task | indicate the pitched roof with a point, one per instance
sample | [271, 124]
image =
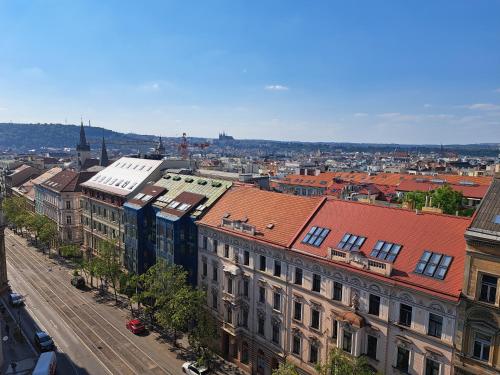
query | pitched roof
[124, 175]
[468, 191]
[416, 233]
[67, 181]
[276, 217]
[487, 217]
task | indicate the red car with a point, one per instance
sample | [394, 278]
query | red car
[136, 326]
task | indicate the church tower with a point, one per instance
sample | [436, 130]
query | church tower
[82, 149]
[104, 161]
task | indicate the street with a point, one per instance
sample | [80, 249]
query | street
[91, 337]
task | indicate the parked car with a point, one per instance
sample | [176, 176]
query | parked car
[78, 282]
[136, 326]
[43, 341]
[191, 368]
[46, 364]
[16, 299]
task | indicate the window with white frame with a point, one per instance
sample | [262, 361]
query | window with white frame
[435, 327]
[296, 344]
[277, 301]
[347, 341]
[315, 317]
[482, 345]
[432, 367]
[488, 292]
[297, 310]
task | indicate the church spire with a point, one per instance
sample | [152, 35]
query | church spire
[82, 145]
[104, 155]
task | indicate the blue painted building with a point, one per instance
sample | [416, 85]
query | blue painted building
[160, 221]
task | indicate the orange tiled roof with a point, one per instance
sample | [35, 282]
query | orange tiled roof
[287, 213]
[473, 191]
[326, 179]
[426, 231]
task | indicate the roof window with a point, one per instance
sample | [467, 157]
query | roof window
[433, 264]
[386, 251]
[316, 236]
[351, 242]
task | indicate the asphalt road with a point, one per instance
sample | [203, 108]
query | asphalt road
[91, 337]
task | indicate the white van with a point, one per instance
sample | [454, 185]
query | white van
[46, 364]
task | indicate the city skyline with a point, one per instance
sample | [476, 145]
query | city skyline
[333, 72]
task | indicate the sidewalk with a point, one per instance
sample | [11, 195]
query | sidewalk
[17, 351]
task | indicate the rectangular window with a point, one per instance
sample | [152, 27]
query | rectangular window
[260, 325]
[229, 315]
[246, 258]
[277, 268]
[488, 289]
[244, 318]
[405, 313]
[297, 310]
[214, 300]
[313, 353]
[276, 333]
[68, 205]
[403, 359]
[337, 291]
[435, 325]
[204, 242]
[214, 273]
[245, 288]
[335, 329]
[68, 220]
[316, 285]
[262, 264]
[298, 276]
[347, 341]
[374, 305]
[262, 294]
[315, 314]
[205, 271]
[277, 301]
[215, 246]
[482, 345]
[371, 347]
[296, 345]
[230, 285]
[431, 367]
[226, 251]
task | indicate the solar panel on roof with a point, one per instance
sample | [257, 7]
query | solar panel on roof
[433, 264]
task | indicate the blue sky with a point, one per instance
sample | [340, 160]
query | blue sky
[355, 71]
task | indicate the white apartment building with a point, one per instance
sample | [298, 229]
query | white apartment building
[292, 277]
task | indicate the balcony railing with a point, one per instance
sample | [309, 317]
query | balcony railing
[358, 260]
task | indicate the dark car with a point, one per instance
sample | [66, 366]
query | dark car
[16, 299]
[43, 341]
[78, 282]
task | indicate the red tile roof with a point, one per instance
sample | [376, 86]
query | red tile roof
[287, 213]
[426, 231]
[474, 191]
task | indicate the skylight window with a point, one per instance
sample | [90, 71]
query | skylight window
[184, 207]
[132, 186]
[351, 242]
[316, 236]
[113, 181]
[174, 204]
[146, 198]
[386, 251]
[496, 220]
[433, 264]
[139, 196]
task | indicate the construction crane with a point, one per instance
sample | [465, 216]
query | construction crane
[183, 146]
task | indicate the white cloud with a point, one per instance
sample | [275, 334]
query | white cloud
[150, 87]
[276, 88]
[484, 106]
[360, 114]
[427, 105]
[389, 115]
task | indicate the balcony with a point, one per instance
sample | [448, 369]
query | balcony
[358, 260]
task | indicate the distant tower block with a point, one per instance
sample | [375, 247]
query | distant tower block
[4, 283]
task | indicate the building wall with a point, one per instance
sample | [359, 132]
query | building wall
[356, 290]
[479, 320]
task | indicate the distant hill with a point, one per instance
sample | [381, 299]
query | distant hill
[24, 137]
[35, 136]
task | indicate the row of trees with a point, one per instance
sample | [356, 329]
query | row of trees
[28, 222]
[337, 363]
[444, 197]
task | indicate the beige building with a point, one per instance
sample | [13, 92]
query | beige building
[293, 277]
[478, 328]
[106, 192]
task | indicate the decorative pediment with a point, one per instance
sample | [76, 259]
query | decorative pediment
[275, 320]
[404, 342]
